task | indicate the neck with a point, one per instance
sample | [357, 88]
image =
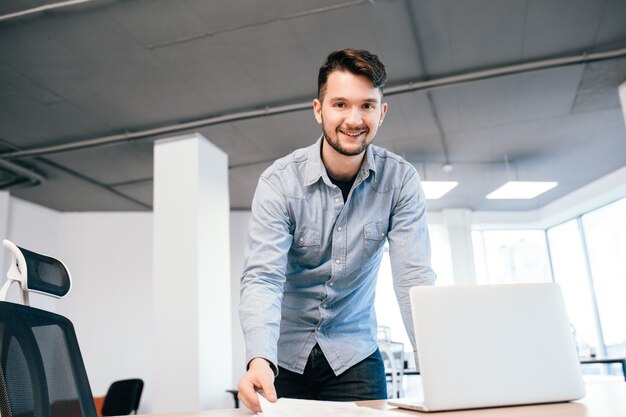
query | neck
[340, 167]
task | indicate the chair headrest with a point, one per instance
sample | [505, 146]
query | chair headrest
[36, 273]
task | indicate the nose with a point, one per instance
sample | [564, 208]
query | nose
[354, 117]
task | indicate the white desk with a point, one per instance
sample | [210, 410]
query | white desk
[602, 400]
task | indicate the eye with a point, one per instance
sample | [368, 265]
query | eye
[369, 106]
[340, 105]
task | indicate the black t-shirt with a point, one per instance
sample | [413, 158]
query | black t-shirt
[344, 186]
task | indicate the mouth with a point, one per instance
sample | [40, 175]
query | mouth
[352, 133]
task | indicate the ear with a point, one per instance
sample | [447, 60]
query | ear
[383, 112]
[317, 110]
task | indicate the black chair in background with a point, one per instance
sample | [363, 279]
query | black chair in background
[42, 373]
[122, 398]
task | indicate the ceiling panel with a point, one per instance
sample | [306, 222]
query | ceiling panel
[276, 73]
[245, 13]
[561, 25]
[102, 164]
[612, 29]
[398, 46]
[27, 122]
[458, 34]
[63, 193]
[206, 66]
[279, 135]
[598, 86]
[142, 191]
[156, 22]
[344, 28]
[14, 83]
[230, 139]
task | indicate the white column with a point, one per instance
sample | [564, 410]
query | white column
[192, 312]
[5, 199]
[459, 228]
[239, 221]
[622, 98]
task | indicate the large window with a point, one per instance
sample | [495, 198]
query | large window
[509, 256]
[387, 310]
[586, 256]
[605, 234]
[570, 271]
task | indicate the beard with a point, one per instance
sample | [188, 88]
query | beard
[334, 142]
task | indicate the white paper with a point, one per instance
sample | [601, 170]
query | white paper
[289, 407]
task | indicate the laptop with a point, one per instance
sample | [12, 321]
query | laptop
[493, 345]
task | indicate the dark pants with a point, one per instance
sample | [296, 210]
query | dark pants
[363, 381]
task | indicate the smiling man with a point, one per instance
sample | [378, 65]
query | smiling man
[320, 218]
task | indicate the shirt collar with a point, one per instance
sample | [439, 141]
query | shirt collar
[316, 169]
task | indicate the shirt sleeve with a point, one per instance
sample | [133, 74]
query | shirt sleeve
[409, 247]
[267, 246]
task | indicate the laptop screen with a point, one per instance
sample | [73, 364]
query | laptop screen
[494, 345]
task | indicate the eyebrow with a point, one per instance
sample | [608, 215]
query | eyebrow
[367, 100]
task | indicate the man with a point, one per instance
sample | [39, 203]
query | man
[320, 218]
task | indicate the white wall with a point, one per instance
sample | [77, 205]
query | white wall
[239, 221]
[33, 227]
[110, 258]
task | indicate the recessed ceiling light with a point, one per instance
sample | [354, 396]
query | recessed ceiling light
[521, 190]
[437, 189]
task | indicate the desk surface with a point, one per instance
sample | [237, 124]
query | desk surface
[602, 400]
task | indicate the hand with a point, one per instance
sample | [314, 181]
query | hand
[259, 377]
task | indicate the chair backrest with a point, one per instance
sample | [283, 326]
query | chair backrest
[41, 369]
[42, 373]
[122, 397]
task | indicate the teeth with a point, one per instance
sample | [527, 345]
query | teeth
[352, 134]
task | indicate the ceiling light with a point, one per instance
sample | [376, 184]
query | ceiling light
[447, 167]
[521, 190]
[437, 189]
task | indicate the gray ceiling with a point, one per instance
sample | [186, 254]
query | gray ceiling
[104, 67]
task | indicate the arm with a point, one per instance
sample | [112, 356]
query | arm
[409, 247]
[268, 243]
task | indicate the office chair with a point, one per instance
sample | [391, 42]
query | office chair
[122, 398]
[42, 373]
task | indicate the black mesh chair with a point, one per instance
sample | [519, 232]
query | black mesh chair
[42, 373]
[122, 398]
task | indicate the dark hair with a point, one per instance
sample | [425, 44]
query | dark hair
[355, 61]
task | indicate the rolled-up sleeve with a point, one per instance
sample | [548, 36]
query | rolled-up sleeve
[409, 246]
[262, 282]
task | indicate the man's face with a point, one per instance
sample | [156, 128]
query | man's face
[350, 112]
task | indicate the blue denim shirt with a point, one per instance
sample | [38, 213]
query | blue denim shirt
[312, 261]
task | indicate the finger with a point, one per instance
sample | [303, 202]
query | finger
[248, 396]
[269, 391]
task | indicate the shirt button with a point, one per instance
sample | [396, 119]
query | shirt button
[336, 200]
[382, 235]
[331, 284]
[301, 240]
[339, 229]
[337, 261]
[325, 305]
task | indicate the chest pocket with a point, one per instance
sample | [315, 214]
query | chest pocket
[306, 246]
[374, 235]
